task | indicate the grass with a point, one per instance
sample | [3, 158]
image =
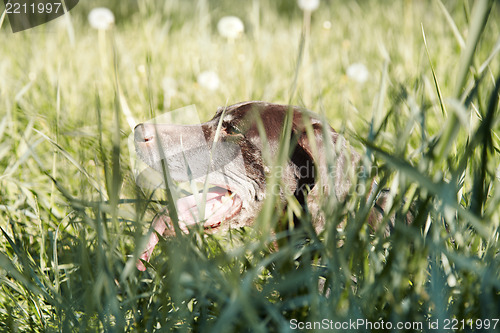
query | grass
[426, 121]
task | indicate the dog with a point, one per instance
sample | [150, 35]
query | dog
[233, 153]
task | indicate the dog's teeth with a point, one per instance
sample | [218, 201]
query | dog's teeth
[227, 197]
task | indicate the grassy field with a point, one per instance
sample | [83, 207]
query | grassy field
[425, 119]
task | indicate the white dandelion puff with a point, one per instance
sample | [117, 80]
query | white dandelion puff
[209, 80]
[358, 72]
[308, 5]
[141, 69]
[169, 86]
[230, 27]
[101, 18]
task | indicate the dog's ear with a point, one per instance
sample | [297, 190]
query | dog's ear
[325, 164]
[329, 160]
[304, 168]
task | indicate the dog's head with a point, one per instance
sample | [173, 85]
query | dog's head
[234, 153]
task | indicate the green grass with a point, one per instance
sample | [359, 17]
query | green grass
[426, 121]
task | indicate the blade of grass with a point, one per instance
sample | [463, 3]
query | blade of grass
[451, 23]
[73, 161]
[440, 189]
[54, 156]
[492, 55]
[479, 195]
[378, 111]
[436, 83]
[201, 205]
[483, 130]
[2, 18]
[480, 13]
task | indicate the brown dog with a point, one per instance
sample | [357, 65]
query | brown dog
[234, 153]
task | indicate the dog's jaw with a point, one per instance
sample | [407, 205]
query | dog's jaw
[210, 210]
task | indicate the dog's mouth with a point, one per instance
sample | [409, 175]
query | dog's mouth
[210, 209]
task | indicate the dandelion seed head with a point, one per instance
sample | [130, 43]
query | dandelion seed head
[169, 85]
[101, 18]
[209, 80]
[358, 72]
[230, 27]
[308, 5]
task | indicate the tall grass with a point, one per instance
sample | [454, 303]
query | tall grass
[426, 123]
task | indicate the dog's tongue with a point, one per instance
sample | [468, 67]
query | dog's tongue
[220, 205]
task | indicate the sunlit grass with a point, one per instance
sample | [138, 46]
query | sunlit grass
[72, 216]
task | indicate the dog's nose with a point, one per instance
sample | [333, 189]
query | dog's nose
[142, 133]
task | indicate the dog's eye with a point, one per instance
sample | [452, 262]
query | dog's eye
[231, 129]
